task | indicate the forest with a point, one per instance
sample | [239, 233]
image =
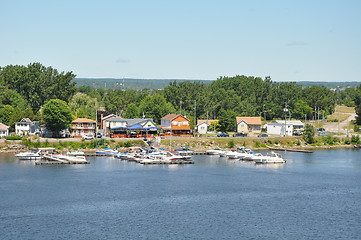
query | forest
[27, 90]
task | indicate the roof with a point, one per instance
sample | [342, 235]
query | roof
[206, 121]
[3, 127]
[172, 116]
[83, 120]
[26, 120]
[109, 116]
[250, 120]
[293, 122]
[116, 119]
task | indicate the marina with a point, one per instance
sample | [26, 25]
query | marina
[214, 198]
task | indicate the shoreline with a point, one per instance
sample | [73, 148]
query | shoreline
[198, 145]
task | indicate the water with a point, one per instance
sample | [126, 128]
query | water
[312, 196]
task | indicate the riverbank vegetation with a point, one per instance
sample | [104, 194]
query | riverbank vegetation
[197, 144]
[27, 90]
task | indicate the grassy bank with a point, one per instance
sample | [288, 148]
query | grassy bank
[197, 144]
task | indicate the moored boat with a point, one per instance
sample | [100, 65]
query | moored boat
[271, 157]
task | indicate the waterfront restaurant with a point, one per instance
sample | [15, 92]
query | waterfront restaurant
[135, 131]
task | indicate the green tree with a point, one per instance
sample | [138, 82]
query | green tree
[301, 109]
[227, 120]
[357, 99]
[132, 111]
[156, 107]
[309, 134]
[8, 115]
[37, 83]
[83, 106]
[214, 126]
[57, 115]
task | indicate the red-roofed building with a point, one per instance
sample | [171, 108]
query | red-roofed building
[82, 127]
[175, 124]
[248, 124]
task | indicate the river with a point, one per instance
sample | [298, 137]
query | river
[312, 196]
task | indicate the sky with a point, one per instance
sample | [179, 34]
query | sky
[288, 40]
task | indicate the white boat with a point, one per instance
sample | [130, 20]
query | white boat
[107, 151]
[238, 154]
[34, 154]
[75, 153]
[248, 155]
[216, 151]
[271, 157]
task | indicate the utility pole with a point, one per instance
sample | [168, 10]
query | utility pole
[285, 110]
[195, 112]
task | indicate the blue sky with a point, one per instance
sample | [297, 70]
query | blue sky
[288, 40]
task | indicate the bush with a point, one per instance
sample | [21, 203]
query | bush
[347, 141]
[355, 139]
[230, 144]
[13, 138]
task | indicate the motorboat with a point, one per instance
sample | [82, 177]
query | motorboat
[215, 151]
[33, 154]
[75, 153]
[271, 157]
[184, 150]
[107, 151]
[240, 153]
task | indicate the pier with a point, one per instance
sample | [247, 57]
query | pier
[290, 150]
[171, 162]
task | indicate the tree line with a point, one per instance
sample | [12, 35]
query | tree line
[27, 90]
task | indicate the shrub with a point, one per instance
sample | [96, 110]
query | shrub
[355, 139]
[230, 144]
[347, 141]
[13, 138]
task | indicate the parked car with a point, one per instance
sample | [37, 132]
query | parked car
[99, 135]
[320, 129]
[263, 135]
[223, 135]
[240, 135]
[88, 137]
[322, 133]
[297, 133]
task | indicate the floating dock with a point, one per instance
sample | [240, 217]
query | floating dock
[46, 162]
[290, 150]
[171, 162]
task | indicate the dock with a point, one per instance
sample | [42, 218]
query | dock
[290, 150]
[171, 162]
[46, 162]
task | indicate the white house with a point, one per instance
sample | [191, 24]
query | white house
[280, 129]
[4, 130]
[26, 127]
[203, 126]
[297, 124]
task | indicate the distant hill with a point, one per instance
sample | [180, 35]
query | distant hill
[129, 83]
[335, 85]
[133, 83]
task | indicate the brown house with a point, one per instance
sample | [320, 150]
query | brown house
[82, 127]
[176, 124]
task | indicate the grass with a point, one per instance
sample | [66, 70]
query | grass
[344, 109]
[341, 113]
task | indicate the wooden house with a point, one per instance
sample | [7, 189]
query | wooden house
[176, 125]
[82, 127]
[249, 125]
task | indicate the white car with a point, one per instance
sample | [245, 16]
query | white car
[88, 137]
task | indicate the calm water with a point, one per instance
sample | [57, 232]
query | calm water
[312, 196]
